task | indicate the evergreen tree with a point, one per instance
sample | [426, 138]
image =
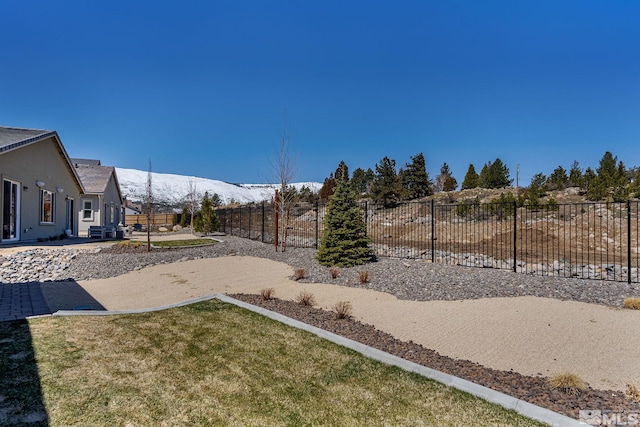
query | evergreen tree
[344, 241]
[206, 220]
[575, 175]
[342, 172]
[558, 180]
[327, 188]
[471, 178]
[415, 179]
[444, 180]
[588, 177]
[495, 175]
[386, 188]
[607, 169]
[621, 188]
[215, 200]
[536, 190]
[185, 217]
[361, 181]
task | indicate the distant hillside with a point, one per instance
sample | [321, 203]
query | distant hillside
[172, 190]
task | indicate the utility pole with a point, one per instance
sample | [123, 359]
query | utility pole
[517, 175]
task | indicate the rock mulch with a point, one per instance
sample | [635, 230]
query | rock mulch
[531, 389]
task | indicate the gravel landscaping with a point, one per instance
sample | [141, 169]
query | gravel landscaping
[407, 279]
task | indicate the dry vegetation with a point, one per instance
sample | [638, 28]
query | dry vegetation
[631, 303]
[334, 272]
[299, 274]
[363, 276]
[567, 382]
[633, 393]
[306, 298]
[343, 309]
[267, 294]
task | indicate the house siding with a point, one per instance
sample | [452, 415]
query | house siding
[39, 161]
[101, 216]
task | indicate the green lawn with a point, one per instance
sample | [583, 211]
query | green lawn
[211, 363]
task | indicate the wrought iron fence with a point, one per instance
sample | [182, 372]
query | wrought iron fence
[583, 240]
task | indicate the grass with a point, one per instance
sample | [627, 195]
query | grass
[567, 382]
[306, 298]
[212, 363]
[343, 309]
[363, 276]
[182, 243]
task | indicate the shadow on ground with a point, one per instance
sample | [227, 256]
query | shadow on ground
[21, 399]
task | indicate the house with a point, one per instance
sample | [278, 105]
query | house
[101, 204]
[40, 187]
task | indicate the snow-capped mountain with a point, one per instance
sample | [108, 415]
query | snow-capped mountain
[172, 189]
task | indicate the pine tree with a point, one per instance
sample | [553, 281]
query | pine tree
[558, 180]
[342, 172]
[536, 190]
[206, 220]
[361, 181]
[575, 175]
[471, 178]
[495, 175]
[621, 188]
[445, 181]
[327, 188]
[386, 186]
[344, 241]
[415, 179]
[607, 169]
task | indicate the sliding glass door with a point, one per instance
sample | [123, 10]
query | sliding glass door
[10, 210]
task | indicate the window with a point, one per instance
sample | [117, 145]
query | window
[111, 213]
[47, 200]
[87, 210]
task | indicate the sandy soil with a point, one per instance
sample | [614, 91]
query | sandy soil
[533, 336]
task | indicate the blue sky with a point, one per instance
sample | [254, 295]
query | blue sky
[203, 87]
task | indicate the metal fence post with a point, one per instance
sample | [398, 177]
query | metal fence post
[433, 232]
[629, 241]
[317, 220]
[515, 235]
[263, 214]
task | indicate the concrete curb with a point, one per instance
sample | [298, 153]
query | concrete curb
[524, 408]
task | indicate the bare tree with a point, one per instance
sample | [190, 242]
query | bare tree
[149, 200]
[285, 167]
[192, 200]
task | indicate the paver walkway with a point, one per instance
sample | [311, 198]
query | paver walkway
[20, 300]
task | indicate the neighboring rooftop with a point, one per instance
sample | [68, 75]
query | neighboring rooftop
[85, 162]
[94, 178]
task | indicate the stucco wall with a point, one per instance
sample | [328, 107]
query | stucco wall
[40, 161]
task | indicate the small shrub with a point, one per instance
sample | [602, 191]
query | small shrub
[299, 274]
[363, 276]
[343, 309]
[632, 303]
[306, 298]
[334, 272]
[267, 294]
[567, 382]
[633, 393]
